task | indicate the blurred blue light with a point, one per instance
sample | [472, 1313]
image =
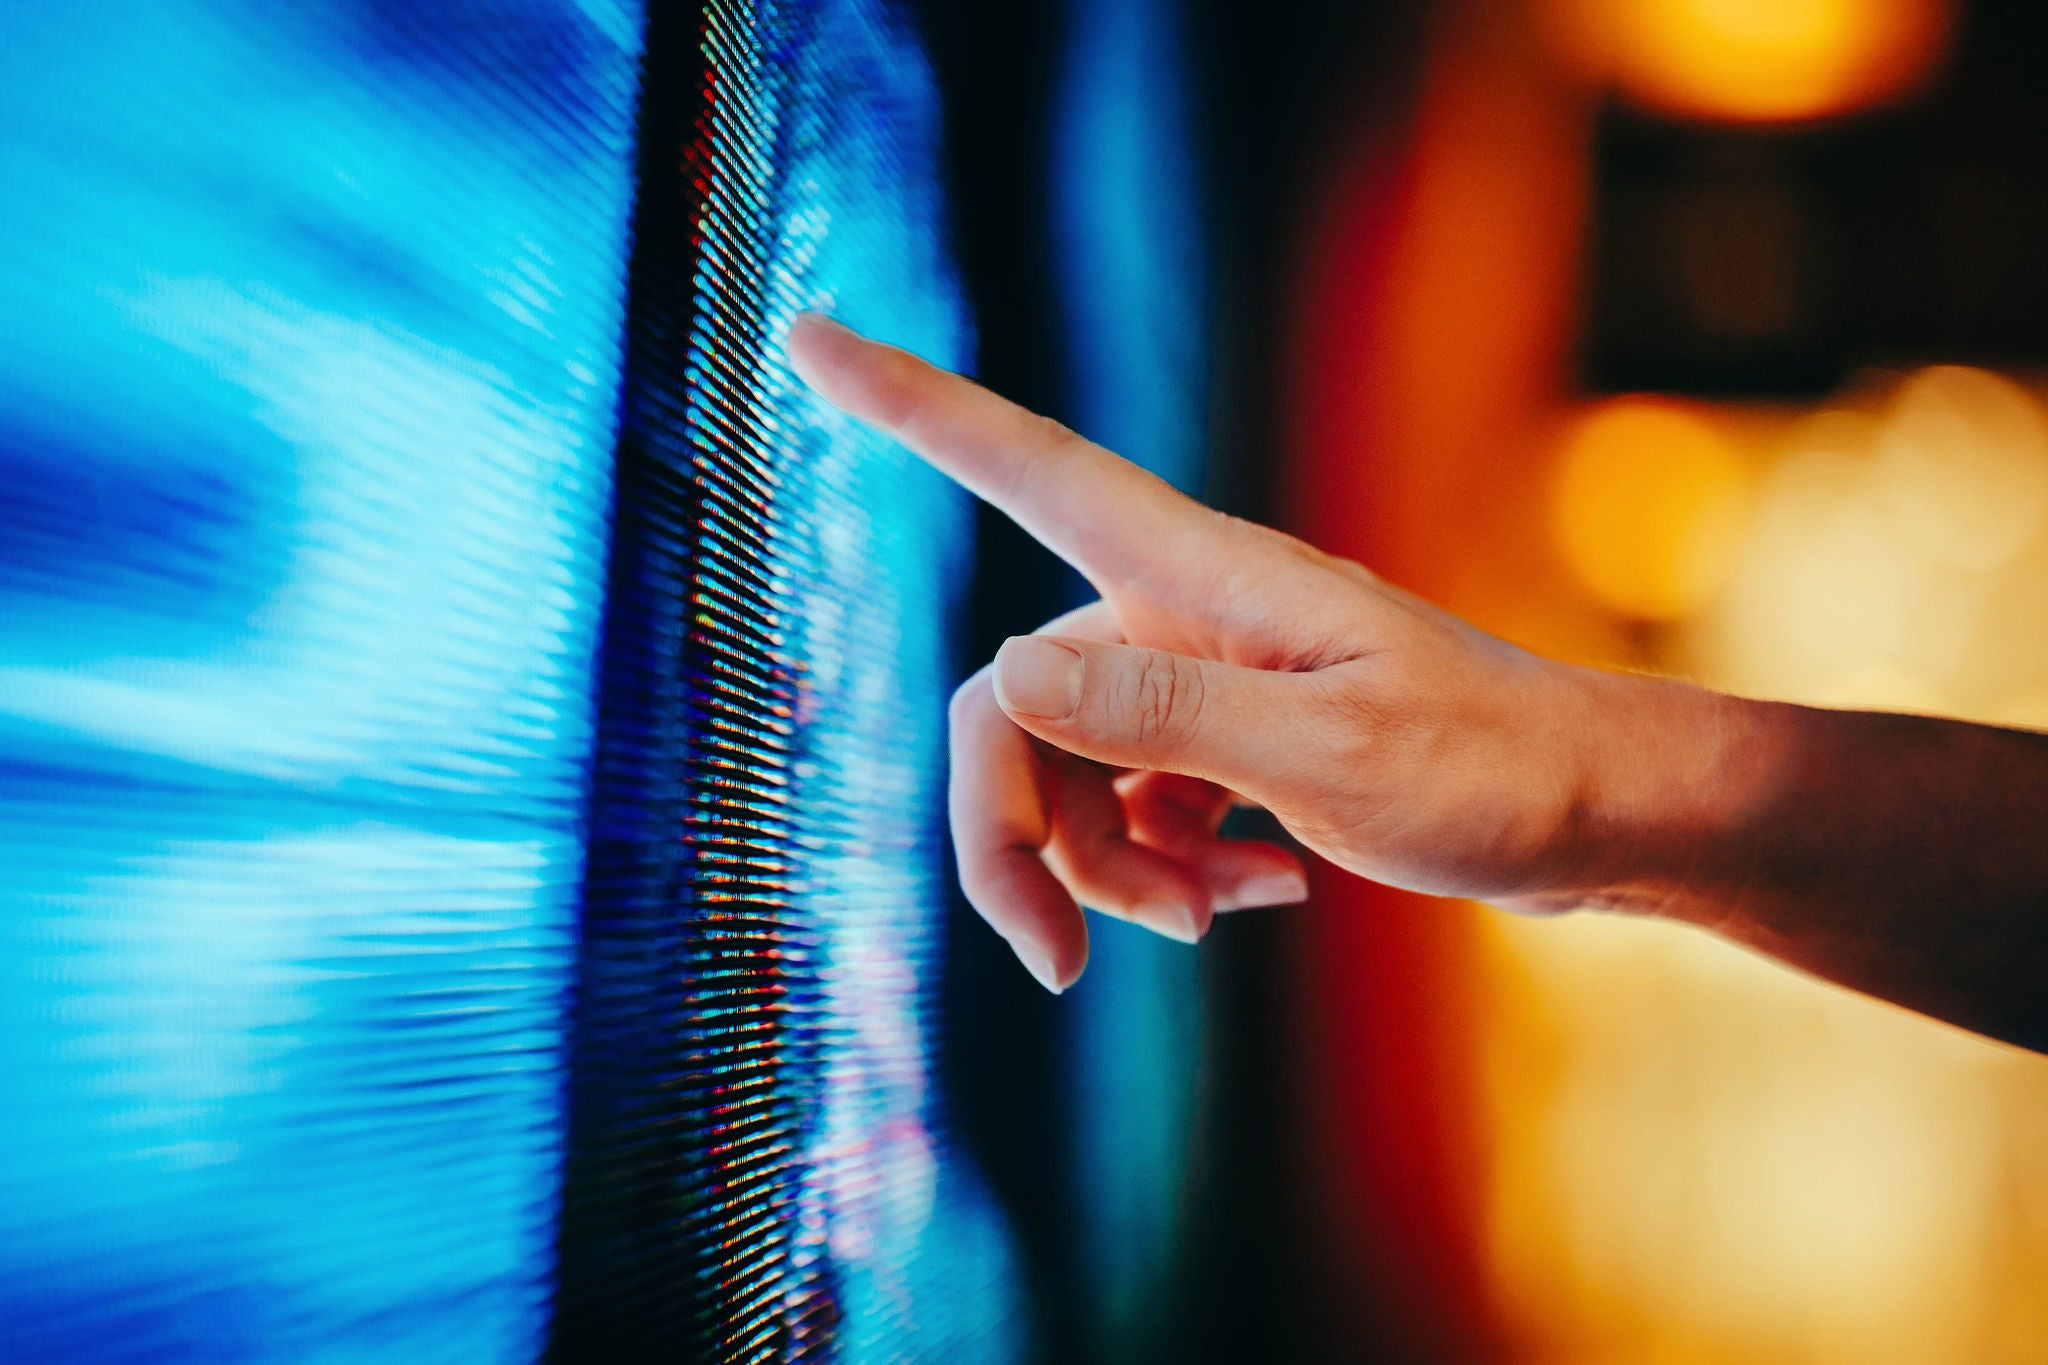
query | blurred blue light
[1133, 280]
[312, 351]
[884, 558]
[309, 352]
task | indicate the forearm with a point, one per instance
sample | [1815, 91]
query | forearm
[1901, 855]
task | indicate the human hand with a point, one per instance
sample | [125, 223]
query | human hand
[1093, 761]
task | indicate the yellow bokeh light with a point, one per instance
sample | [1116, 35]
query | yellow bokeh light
[1697, 1156]
[1964, 459]
[1894, 557]
[1759, 60]
[1715, 1160]
[1648, 506]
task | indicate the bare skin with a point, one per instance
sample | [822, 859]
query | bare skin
[1225, 662]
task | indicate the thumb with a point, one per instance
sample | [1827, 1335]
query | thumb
[1147, 708]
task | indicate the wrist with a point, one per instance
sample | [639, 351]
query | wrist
[1667, 775]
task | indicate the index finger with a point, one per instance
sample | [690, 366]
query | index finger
[1104, 515]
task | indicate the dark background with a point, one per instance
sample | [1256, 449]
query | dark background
[1733, 262]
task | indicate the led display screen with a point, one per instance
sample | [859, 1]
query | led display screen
[468, 746]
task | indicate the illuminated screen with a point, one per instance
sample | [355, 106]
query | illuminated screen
[468, 724]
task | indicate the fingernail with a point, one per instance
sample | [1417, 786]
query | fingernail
[1269, 888]
[1039, 963]
[1035, 677]
[1174, 919]
[802, 352]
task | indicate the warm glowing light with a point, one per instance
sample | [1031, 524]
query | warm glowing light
[1896, 557]
[1964, 464]
[2026, 710]
[1648, 506]
[1823, 599]
[1759, 60]
[1715, 1160]
[1700, 1157]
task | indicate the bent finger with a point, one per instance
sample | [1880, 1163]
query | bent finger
[1097, 861]
[1172, 810]
[1178, 815]
[997, 806]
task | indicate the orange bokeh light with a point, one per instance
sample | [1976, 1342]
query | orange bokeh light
[1758, 61]
[1647, 505]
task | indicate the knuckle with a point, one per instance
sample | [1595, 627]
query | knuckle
[1372, 722]
[1038, 456]
[1056, 435]
[1164, 699]
[1357, 714]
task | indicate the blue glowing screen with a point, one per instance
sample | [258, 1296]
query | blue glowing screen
[468, 761]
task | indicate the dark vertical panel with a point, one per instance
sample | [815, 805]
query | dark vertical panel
[995, 65]
[675, 1236]
[1288, 91]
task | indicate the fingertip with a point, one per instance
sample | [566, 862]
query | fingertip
[814, 341]
[1264, 888]
[1170, 919]
[811, 327]
[1186, 916]
[1284, 888]
[1037, 678]
[1023, 902]
[1243, 874]
[1044, 964]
